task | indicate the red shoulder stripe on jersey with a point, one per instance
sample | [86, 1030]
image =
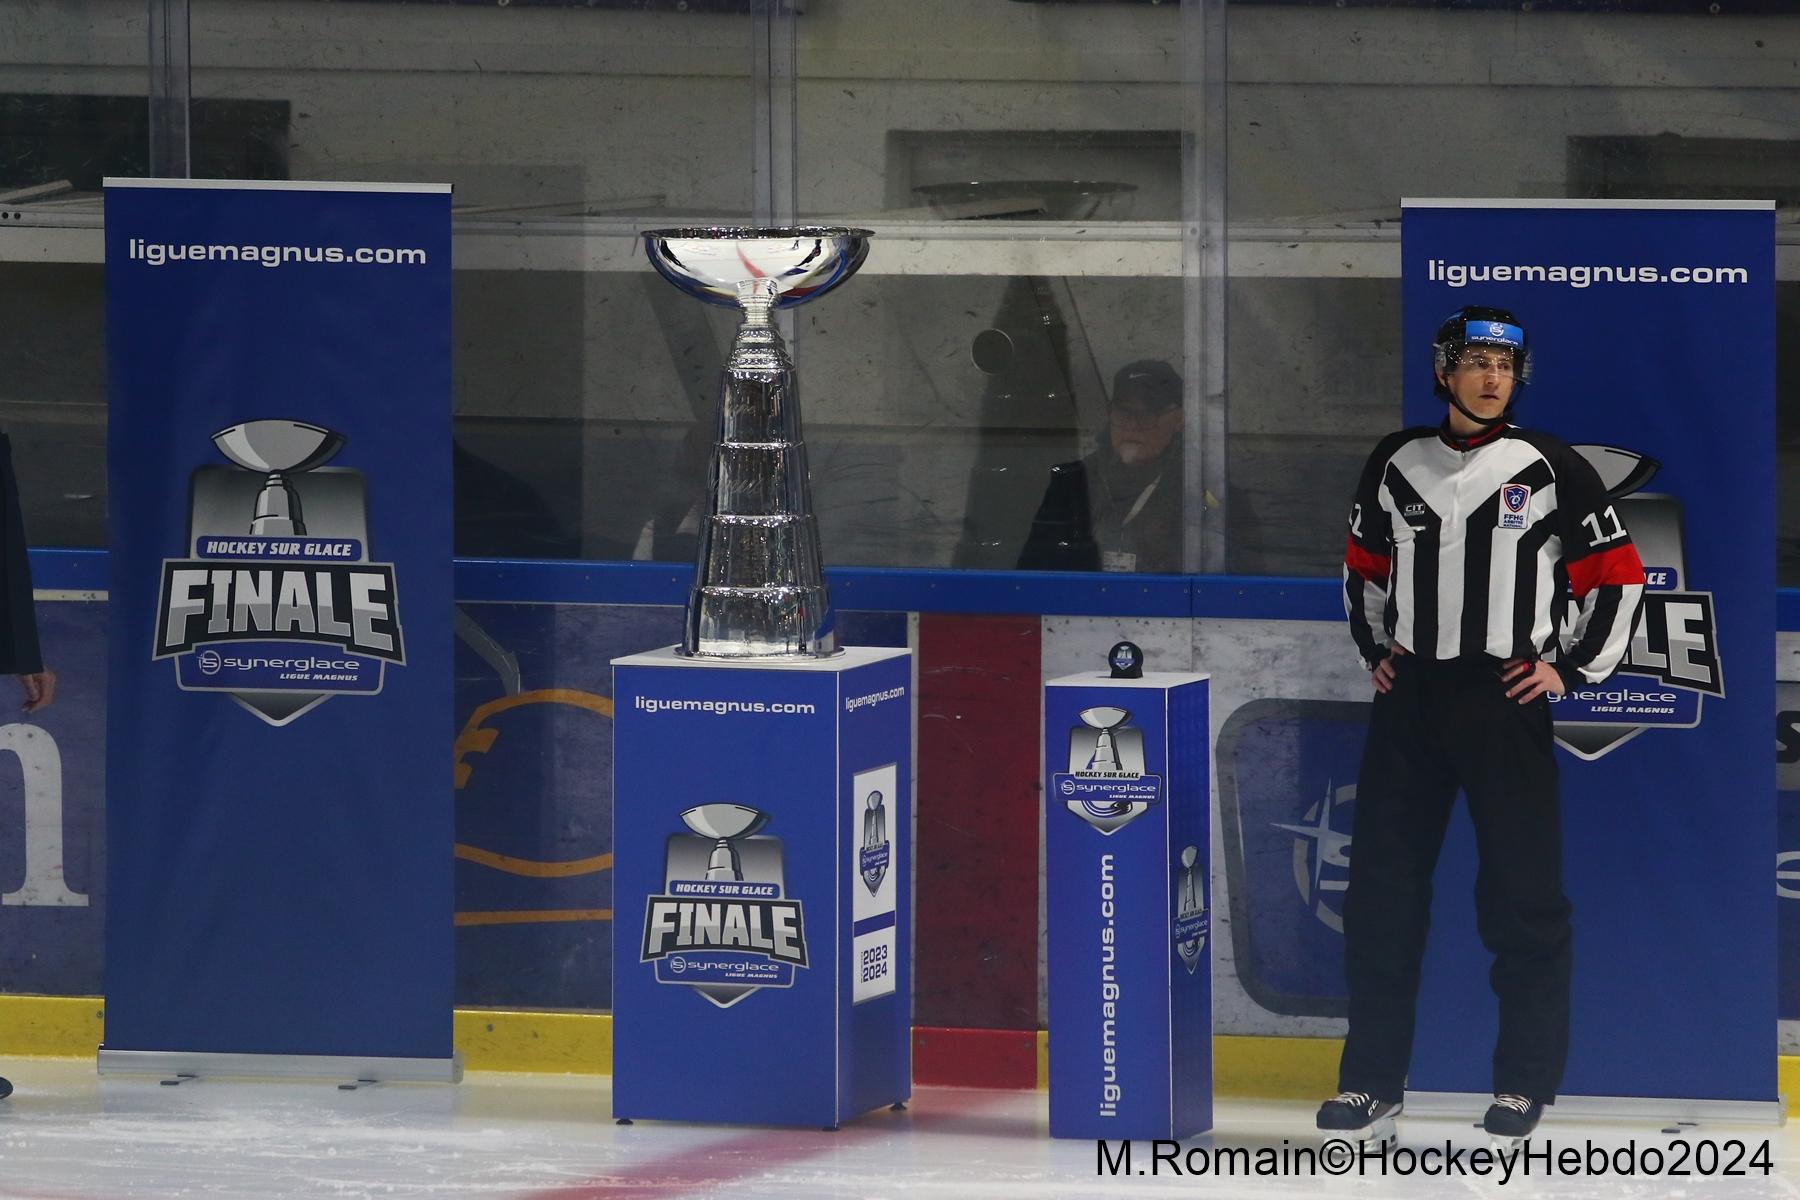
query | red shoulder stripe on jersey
[1615, 564]
[1372, 567]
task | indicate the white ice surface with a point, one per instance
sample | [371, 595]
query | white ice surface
[68, 1135]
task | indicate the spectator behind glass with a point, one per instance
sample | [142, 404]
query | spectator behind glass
[1119, 509]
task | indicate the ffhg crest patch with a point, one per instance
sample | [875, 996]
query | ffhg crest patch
[1514, 499]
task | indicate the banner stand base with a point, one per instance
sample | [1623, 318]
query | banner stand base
[348, 1067]
[1610, 1108]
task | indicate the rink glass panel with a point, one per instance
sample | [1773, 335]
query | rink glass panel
[572, 125]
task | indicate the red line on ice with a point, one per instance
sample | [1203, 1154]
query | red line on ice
[724, 1162]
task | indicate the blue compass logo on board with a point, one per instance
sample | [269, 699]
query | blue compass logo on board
[1321, 858]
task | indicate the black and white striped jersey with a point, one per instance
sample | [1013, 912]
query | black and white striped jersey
[1464, 548]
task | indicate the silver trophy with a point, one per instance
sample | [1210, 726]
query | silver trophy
[760, 588]
[725, 823]
[282, 449]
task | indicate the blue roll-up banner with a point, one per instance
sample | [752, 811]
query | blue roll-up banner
[279, 818]
[1652, 328]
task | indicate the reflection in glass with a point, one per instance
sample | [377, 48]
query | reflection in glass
[1119, 508]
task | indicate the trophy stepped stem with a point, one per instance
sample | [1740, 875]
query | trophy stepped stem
[757, 298]
[756, 479]
[750, 552]
[760, 585]
[758, 410]
[759, 622]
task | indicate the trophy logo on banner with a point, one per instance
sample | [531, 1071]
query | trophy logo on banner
[1106, 785]
[1191, 920]
[1673, 663]
[723, 925]
[279, 605]
[876, 849]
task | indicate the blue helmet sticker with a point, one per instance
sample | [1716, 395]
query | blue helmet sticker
[1494, 333]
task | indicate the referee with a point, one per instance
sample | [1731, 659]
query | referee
[1477, 552]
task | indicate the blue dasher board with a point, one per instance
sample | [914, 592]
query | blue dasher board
[761, 839]
[1127, 860]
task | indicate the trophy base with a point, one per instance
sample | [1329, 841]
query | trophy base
[774, 657]
[766, 623]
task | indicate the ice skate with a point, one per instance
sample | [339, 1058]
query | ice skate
[1360, 1117]
[1510, 1120]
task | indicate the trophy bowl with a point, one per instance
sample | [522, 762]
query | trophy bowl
[803, 261]
[724, 821]
[276, 445]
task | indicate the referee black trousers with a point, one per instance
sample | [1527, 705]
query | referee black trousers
[1447, 725]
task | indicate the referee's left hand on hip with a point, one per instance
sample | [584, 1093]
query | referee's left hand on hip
[1526, 680]
[40, 689]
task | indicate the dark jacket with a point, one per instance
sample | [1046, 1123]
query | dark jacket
[18, 621]
[1099, 505]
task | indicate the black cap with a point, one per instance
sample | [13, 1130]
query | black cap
[1149, 383]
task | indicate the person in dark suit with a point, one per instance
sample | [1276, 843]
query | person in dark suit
[19, 653]
[1119, 509]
